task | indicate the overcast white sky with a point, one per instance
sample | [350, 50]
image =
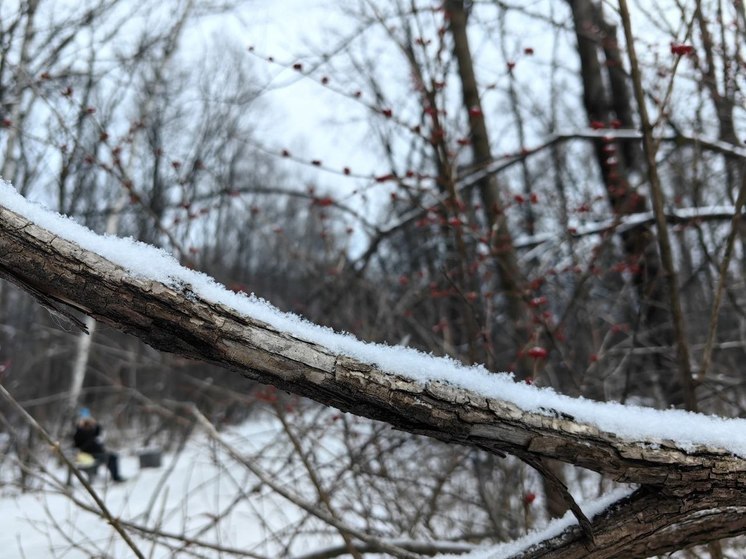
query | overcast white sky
[303, 113]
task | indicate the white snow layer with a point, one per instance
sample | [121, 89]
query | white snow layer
[687, 430]
[551, 530]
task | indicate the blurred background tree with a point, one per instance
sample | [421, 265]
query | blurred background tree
[507, 222]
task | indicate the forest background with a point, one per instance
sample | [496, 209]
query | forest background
[473, 179]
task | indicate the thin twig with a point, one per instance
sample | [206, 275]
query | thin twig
[283, 492]
[312, 474]
[664, 243]
[720, 289]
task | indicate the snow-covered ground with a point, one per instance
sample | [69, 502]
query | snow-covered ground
[182, 498]
[204, 503]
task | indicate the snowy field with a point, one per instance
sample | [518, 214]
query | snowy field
[205, 503]
[181, 498]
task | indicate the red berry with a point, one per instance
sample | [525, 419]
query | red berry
[386, 178]
[537, 352]
[681, 49]
[538, 301]
[323, 202]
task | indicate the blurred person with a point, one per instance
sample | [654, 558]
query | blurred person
[88, 439]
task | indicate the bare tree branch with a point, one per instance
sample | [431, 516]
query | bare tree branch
[664, 244]
[692, 495]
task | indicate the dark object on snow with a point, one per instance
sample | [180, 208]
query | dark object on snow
[150, 458]
[87, 439]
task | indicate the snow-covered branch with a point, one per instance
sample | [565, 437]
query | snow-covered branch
[623, 223]
[498, 165]
[471, 177]
[690, 467]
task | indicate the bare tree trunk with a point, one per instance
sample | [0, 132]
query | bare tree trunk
[664, 243]
[607, 100]
[83, 346]
[501, 240]
[80, 365]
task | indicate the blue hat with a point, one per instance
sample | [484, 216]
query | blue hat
[84, 412]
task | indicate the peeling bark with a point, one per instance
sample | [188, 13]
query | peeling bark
[650, 522]
[688, 496]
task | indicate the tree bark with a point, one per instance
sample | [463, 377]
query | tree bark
[649, 522]
[688, 496]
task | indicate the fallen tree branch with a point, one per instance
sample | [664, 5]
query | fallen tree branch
[693, 492]
[646, 523]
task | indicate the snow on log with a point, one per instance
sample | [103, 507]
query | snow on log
[690, 468]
